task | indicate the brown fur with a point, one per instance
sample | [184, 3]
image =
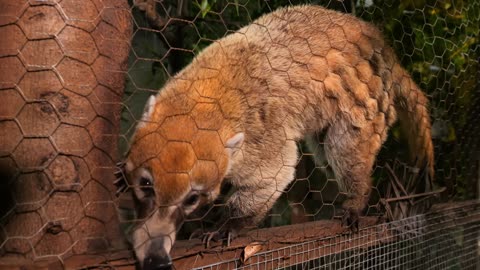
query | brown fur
[287, 75]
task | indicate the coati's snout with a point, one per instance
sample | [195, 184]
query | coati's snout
[155, 262]
[162, 202]
[153, 239]
[157, 257]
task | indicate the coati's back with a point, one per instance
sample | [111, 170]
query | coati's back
[334, 59]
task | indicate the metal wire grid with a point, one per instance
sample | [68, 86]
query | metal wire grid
[434, 246]
[446, 239]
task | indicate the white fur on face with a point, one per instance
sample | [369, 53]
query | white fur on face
[153, 228]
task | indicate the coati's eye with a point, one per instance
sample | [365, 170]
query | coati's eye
[145, 182]
[141, 180]
[191, 199]
[146, 186]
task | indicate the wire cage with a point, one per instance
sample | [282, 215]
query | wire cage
[445, 239]
[76, 83]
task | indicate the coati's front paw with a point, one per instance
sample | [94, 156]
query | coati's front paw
[351, 219]
[224, 235]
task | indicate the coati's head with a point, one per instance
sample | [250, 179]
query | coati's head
[173, 167]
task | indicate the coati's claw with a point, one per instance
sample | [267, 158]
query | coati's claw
[212, 236]
[197, 234]
[207, 237]
[351, 219]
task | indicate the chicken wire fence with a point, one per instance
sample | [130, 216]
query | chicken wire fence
[60, 127]
[446, 239]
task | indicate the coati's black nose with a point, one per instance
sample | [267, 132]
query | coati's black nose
[157, 263]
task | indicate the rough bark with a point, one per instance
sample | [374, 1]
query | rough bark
[62, 73]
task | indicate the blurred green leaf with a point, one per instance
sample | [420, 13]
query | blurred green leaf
[204, 7]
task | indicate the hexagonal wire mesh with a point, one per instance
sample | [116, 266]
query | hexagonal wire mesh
[61, 83]
[257, 82]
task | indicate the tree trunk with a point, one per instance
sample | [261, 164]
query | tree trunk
[62, 73]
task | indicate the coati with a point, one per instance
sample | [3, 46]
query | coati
[239, 109]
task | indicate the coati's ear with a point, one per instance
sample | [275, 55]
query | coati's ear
[235, 142]
[147, 112]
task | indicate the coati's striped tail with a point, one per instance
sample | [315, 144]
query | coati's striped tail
[411, 104]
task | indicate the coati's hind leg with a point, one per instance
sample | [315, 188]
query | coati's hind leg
[351, 153]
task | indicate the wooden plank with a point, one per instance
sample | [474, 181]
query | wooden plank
[191, 254]
[281, 246]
